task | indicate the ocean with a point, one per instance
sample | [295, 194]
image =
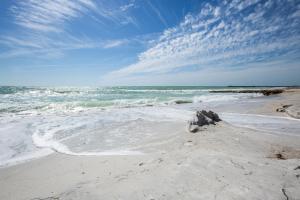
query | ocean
[37, 121]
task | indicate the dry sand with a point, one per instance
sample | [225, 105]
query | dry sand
[219, 162]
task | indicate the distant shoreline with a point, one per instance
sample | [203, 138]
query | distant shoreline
[265, 92]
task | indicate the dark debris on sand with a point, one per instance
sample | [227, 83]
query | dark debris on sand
[202, 118]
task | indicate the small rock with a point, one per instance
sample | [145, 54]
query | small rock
[280, 110]
[272, 92]
[286, 106]
[202, 118]
[279, 156]
[210, 114]
[283, 108]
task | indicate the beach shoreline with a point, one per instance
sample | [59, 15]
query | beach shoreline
[218, 162]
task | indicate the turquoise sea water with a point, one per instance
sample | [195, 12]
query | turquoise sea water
[22, 99]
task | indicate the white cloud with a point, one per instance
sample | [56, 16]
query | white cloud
[113, 43]
[127, 6]
[44, 15]
[222, 35]
[42, 46]
[44, 26]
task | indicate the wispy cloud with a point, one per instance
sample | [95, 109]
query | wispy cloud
[126, 7]
[229, 34]
[43, 15]
[51, 47]
[45, 31]
[42, 28]
[158, 13]
[114, 43]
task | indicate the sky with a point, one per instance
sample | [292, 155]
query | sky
[149, 42]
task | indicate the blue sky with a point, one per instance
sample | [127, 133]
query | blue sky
[149, 42]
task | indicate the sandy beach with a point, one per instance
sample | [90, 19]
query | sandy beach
[150, 100]
[219, 162]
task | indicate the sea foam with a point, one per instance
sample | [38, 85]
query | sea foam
[35, 122]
